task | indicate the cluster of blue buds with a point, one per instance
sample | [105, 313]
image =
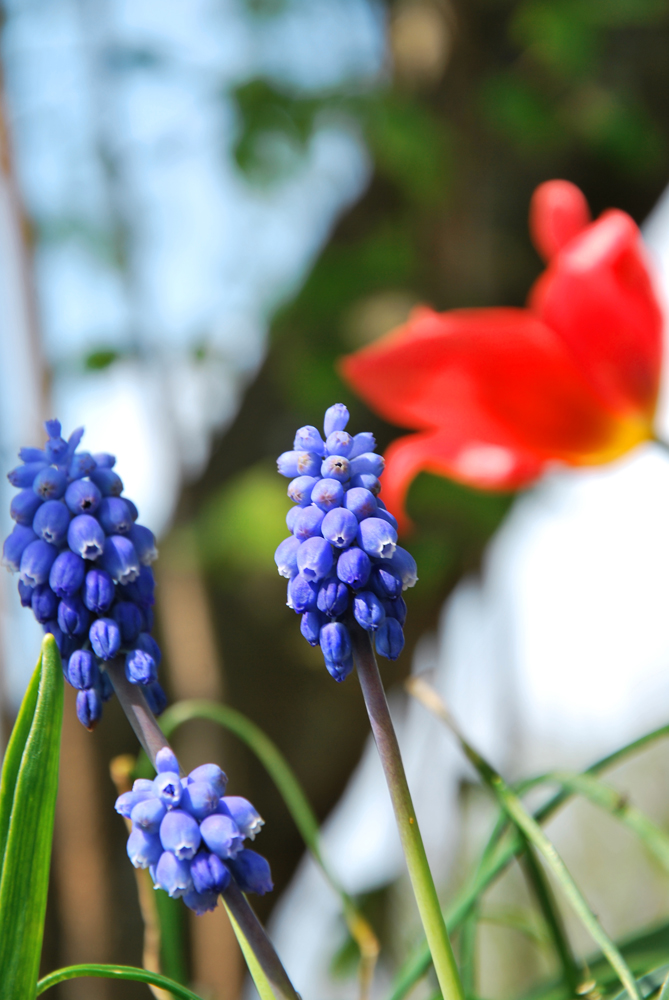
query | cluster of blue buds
[190, 834]
[84, 567]
[342, 556]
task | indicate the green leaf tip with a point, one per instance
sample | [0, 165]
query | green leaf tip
[50, 647]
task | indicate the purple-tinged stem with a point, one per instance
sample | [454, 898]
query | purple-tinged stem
[412, 842]
[260, 944]
[138, 713]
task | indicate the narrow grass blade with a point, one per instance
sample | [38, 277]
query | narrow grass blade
[171, 915]
[115, 972]
[607, 798]
[25, 877]
[296, 802]
[649, 984]
[533, 832]
[551, 914]
[524, 922]
[467, 956]
[15, 748]
[418, 962]
[664, 992]
[647, 949]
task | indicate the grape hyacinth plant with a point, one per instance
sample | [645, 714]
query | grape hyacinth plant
[84, 566]
[190, 835]
[341, 559]
[346, 576]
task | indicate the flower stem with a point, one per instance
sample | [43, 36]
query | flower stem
[260, 944]
[152, 739]
[412, 842]
[138, 713]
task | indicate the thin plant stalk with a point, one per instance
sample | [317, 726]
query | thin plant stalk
[553, 918]
[152, 739]
[257, 939]
[412, 842]
[467, 941]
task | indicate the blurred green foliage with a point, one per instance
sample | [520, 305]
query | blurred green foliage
[97, 360]
[241, 525]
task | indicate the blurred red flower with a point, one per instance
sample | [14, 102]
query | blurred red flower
[499, 394]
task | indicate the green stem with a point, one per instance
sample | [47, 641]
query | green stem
[137, 711]
[412, 842]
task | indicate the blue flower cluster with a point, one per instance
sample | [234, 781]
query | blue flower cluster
[84, 567]
[342, 556]
[190, 834]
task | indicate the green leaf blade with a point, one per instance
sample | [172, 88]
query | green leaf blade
[13, 755]
[127, 972]
[25, 875]
[529, 828]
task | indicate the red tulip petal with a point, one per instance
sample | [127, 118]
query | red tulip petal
[495, 375]
[558, 212]
[597, 294]
[473, 462]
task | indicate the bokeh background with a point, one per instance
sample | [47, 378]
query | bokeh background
[203, 206]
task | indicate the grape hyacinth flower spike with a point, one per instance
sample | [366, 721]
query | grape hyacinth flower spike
[341, 559]
[346, 575]
[84, 567]
[191, 835]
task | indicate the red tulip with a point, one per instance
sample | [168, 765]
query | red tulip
[497, 395]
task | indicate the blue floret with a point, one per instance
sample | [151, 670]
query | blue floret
[84, 567]
[342, 559]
